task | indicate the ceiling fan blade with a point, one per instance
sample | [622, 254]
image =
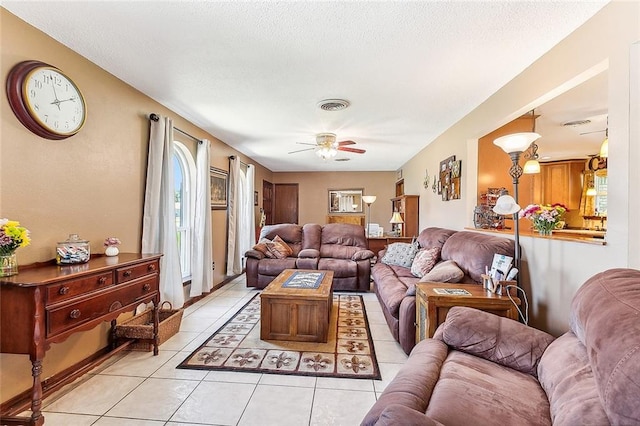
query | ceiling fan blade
[343, 143]
[356, 150]
[595, 131]
[305, 143]
[300, 150]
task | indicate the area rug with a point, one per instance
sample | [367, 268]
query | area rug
[236, 346]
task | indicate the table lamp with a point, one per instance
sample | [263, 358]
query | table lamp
[396, 219]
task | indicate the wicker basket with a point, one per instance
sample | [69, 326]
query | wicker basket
[140, 327]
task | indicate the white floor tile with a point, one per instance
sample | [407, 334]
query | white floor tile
[155, 399]
[340, 407]
[344, 384]
[169, 370]
[95, 396]
[215, 403]
[60, 419]
[139, 364]
[233, 377]
[179, 340]
[389, 351]
[283, 380]
[388, 371]
[120, 421]
[278, 406]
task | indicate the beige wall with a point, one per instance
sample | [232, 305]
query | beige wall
[313, 192]
[556, 268]
[91, 184]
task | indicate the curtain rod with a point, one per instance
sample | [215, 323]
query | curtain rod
[155, 117]
[233, 157]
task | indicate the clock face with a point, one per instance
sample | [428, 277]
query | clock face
[45, 100]
[54, 101]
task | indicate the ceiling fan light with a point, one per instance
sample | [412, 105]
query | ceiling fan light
[531, 167]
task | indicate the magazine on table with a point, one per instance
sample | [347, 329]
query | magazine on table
[452, 291]
[500, 267]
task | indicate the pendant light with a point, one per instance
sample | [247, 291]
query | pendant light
[604, 148]
[532, 166]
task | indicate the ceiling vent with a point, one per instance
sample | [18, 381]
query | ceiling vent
[342, 159]
[576, 123]
[333, 104]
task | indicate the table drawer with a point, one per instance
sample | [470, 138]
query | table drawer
[69, 289]
[137, 271]
[67, 316]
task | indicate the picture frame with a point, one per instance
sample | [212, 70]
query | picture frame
[346, 200]
[255, 198]
[219, 186]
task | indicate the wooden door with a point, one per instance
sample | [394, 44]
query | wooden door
[285, 203]
[267, 202]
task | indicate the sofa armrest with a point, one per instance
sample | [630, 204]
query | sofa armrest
[255, 254]
[309, 253]
[362, 255]
[497, 339]
[396, 414]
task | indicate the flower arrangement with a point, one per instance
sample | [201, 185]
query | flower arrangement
[111, 241]
[545, 217]
[12, 236]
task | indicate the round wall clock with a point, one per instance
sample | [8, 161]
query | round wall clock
[45, 100]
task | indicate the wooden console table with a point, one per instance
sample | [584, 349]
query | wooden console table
[432, 308]
[47, 303]
[375, 244]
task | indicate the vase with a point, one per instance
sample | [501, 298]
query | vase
[111, 251]
[8, 265]
[544, 232]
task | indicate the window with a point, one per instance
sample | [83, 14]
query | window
[184, 181]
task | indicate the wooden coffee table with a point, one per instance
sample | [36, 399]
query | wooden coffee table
[297, 313]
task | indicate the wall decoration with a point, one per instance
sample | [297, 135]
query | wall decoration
[399, 174]
[449, 182]
[218, 188]
[426, 179]
[255, 198]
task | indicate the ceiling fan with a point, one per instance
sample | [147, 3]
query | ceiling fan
[327, 147]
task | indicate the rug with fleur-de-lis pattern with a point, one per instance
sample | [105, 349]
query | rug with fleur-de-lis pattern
[237, 346]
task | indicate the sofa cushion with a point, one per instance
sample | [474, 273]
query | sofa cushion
[444, 272]
[424, 261]
[474, 391]
[473, 251]
[400, 254]
[389, 287]
[605, 314]
[566, 376]
[261, 246]
[273, 267]
[290, 233]
[341, 267]
[497, 339]
[278, 248]
[434, 237]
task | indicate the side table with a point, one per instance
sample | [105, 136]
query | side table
[432, 308]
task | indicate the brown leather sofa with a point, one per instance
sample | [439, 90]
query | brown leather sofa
[338, 247]
[481, 369]
[395, 285]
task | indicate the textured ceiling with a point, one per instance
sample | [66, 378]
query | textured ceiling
[251, 73]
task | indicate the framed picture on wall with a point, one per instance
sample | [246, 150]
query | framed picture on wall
[255, 198]
[219, 179]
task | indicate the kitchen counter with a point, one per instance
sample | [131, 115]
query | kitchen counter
[576, 235]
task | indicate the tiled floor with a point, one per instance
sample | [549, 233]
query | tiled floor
[138, 389]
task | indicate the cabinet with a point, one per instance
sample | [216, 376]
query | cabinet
[46, 304]
[407, 206]
[432, 308]
[375, 244]
[559, 182]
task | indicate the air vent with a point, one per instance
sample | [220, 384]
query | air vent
[342, 159]
[333, 104]
[576, 123]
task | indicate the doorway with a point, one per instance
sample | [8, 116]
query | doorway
[285, 203]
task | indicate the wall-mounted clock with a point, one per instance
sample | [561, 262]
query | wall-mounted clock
[45, 100]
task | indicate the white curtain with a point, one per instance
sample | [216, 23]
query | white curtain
[159, 216]
[241, 215]
[202, 258]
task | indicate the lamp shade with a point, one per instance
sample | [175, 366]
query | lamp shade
[396, 218]
[591, 192]
[604, 148]
[506, 205]
[368, 199]
[531, 167]
[516, 142]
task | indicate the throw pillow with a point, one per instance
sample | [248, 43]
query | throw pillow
[444, 272]
[278, 248]
[400, 254]
[424, 261]
[261, 246]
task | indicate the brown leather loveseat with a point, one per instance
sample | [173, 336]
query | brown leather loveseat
[338, 247]
[481, 369]
[395, 285]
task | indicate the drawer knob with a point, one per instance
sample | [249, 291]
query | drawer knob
[75, 314]
[152, 267]
[146, 287]
[63, 290]
[102, 280]
[127, 273]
